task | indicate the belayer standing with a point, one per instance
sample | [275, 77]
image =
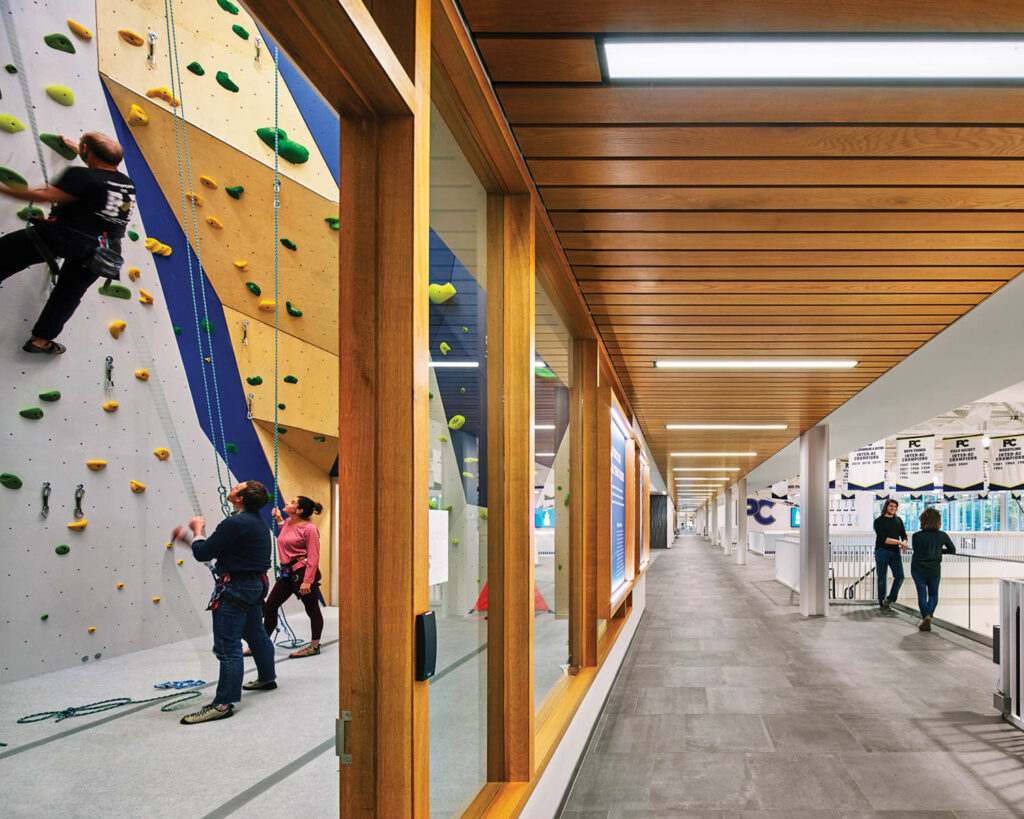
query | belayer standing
[890, 540]
[93, 206]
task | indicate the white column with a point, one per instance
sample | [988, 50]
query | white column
[714, 521]
[741, 521]
[814, 521]
[727, 545]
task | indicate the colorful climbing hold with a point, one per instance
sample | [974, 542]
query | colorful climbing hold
[456, 421]
[462, 390]
[215, 223]
[116, 328]
[80, 31]
[440, 293]
[12, 179]
[288, 243]
[63, 549]
[60, 42]
[144, 297]
[333, 222]
[117, 291]
[467, 475]
[566, 501]
[291, 310]
[163, 93]
[241, 32]
[30, 212]
[225, 82]
[134, 273]
[208, 182]
[96, 466]
[290, 379]
[430, 394]
[559, 487]
[445, 348]
[50, 395]
[110, 406]
[228, 6]
[130, 37]
[10, 480]
[207, 326]
[196, 68]
[157, 248]
[483, 516]
[156, 599]
[255, 380]
[10, 124]
[235, 192]
[320, 438]
[432, 503]
[161, 453]
[280, 406]
[54, 142]
[32, 413]
[134, 236]
[177, 331]
[120, 585]
[61, 95]
[281, 430]
[180, 562]
[287, 149]
[136, 487]
[44, 616]
[254, 288]
[443, 439]
[142, 375]
[231, 448]
[10, 69]
[267, 306]
[78, 525]
[137, 115]
[465, 329]
[195, 198]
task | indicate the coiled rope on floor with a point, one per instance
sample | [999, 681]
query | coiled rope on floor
[100, 706]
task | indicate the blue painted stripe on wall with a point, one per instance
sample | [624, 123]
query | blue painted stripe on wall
[249, 463]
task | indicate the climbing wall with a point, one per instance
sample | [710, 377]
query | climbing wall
[121, 426]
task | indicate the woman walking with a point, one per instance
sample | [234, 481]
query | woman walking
[298, 551]
[929, 545]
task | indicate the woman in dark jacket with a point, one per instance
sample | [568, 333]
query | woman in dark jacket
[929, 545]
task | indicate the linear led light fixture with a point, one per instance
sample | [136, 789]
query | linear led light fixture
[705, 469]
[821, 58]
[712, 454]
[544, 455]
[726, 426]
[463, 365]
[543, 426]
[757, 364]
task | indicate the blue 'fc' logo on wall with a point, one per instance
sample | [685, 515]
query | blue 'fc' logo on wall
[761, 511]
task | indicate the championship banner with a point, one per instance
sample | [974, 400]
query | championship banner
[1006, 463]
[867, 468]
[780, 490]
[915, 465]
[793, 490]
[963, 467]
[832, 474]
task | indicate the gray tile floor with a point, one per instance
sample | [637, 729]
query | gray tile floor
[730, 704]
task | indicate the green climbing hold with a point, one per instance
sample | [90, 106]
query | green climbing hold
[10, 124]
[63, 549]
[559, 567]
[10, 69]
[235, 192]
[430, 395]
[32, 413]
[133, 235]
[290, 379]
[280, 406]
[456, 421]
[433, 503]
[455, 541]
[224, 81]
[465, 329]
[462, 390]
[483, 516]
[543, 372]
[288, 243]
[254, 288]
[467, 475]
[228, 6]
[44, 616]
[116, 291]
[196, 68]
[12, 179]
[281, 430]
[241, 32]
[61, 95]
[51, 396]
[10, 480]
[445, 348]
[54, 142]
[559, 487]
[231, 448]
[320, 438]
[333, 222]
[255, 380]
[59, 42]
[207, 326]
[291, 310]
[566, 501]
[30, 212]
[443, 439]
[288, 149]
[446, 508]
[177, 331]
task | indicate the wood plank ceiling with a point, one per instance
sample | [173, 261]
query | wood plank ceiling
[727, 220]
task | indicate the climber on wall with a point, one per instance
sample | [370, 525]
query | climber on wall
[92, 208]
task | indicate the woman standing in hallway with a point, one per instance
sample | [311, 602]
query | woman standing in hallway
[298, 550]
[929, 544]
[890, 540]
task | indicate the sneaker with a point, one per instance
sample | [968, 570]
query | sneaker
[247, 652]
[926, 624]
[53, 348]
[308, 651]
[259, 685]
[885, 604]
[208, 713]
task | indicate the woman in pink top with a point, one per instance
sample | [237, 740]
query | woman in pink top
[298, 550]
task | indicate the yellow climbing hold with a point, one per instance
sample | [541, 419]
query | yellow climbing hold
[61, 95]
[78, 525]
[206, 182]
[96, 466]
[137, 488]
[162, 453]
[445, 348]
[440, 293]
[170, 545]
[180, 562]
[145, 298]
[156, 247]
[215, 223]
[456, 421]
[111, 406]
[10, 124]
[80, 31]
[195, 198]
[267, 306]
[142, 375]
[134, 273]
[163, 93]
[92, 629]
[242, 265]
[156, 599]
[130, 37]
[116, 328]
[137, 115]
[120, 585]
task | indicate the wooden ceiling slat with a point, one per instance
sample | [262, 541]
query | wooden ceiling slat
[791, 221]
[654, 338]
[744, 104]
[769, 141]
[519, 59]
[742, 240]
[788, 288]
[796, 274]
[777, 258]
[756, 324]
[756, 310]
[721, 299]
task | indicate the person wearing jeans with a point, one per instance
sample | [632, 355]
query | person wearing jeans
[890, 539]
[241, 546]
[930, 544]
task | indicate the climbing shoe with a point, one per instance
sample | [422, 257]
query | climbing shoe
[259, 685]
[53, 348]
[208, 713]
[308, 651]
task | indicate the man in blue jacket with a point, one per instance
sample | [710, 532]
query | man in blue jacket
[241, 546]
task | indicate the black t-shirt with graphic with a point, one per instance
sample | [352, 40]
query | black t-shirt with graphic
[102, 204]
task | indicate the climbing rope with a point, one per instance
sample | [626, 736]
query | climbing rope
[107, 705]
[201, 320]
[12, 42]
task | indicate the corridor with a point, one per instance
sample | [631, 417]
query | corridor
[731, 704]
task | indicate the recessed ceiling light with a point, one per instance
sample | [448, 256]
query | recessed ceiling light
[545, 455]
[543, 426]
[705, 469]
[725, 426]
[757, 364]
[713, 454]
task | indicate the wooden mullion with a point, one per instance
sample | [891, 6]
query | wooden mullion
[582, 506]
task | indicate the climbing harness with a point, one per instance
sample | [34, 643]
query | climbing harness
[176, 698]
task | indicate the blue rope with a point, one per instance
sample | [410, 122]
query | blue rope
[177, 698]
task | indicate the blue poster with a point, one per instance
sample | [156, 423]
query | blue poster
[618, 507]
